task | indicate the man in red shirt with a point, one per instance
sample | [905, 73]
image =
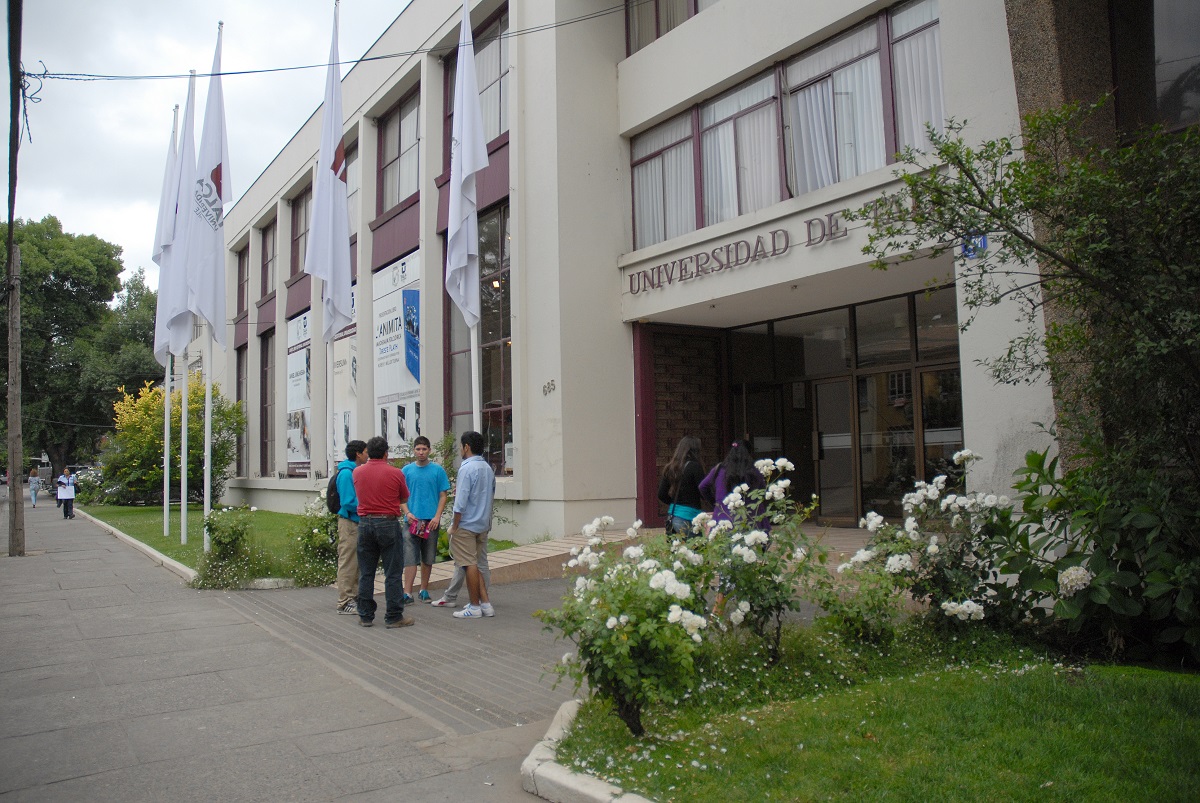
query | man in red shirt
[382, 506]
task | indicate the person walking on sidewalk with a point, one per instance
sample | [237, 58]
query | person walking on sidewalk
[66, 493]
[382, 504]
[347, 551]
[472, 522]
[35, 485]
[449, 597]
[428, 487]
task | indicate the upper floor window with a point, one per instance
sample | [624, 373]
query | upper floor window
[649, 19]
[243, 279]
[398, 153]
[829, 105]
[1156, 62]
[301, 214]
[268, 257]
[491, 74]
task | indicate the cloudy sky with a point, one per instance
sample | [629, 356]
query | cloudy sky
[99, 148]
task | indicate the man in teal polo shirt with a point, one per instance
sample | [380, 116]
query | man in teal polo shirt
[472, 521]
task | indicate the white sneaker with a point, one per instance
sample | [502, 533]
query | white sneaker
[469, 612]
[486, 609]
[442, 602]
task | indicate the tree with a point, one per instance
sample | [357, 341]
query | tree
[1105, 238]
[67, 281]
[133, 460]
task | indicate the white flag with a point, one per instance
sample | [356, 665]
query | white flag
[209, 197]
[468, 155]
[328, 254]
[173, 321]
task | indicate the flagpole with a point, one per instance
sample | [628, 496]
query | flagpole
[331, 454]
[208, 343]
[167, 449]
[476, 402]
[183, 453]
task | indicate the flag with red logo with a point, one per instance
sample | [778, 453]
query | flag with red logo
[209, 198]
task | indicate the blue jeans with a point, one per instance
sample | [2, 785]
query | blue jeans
[379, 544]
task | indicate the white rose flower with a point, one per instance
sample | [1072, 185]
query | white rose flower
[744, 606]
[737, 617]
[1073, 580]
[612, 623]
[964, 456]
[845, 567]
[765, 466]
[932, 549]
[862, 556]
[898, 563]
[607, 521]
[589, 530]
[783, 464]
[634, 553]
[637, 524]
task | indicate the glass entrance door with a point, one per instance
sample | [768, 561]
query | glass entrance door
[834, 449]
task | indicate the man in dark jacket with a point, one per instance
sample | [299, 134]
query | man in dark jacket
[347, 570]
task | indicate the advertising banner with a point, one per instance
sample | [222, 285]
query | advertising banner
[345, 384]
[397, 353]
[299, 395]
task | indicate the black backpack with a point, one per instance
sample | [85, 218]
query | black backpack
[333, 500]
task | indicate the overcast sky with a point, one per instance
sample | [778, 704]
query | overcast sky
[99, 148]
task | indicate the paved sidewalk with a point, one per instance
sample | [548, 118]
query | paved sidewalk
[118, 682]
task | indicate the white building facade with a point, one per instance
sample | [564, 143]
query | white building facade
[663, 252]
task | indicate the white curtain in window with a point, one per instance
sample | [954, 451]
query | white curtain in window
[757, 159]
[670, 14]
[679, 182]
[649, 221]
[719, 170]
[816, 164]
[641, 23]
[917, 73]
[858, 111]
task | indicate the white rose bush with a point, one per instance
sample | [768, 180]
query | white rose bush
[637, 617]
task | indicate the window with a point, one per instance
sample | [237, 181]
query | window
[664, 182]
[243, 279]
[837, 110]
[266, 408]
[740, 151]
[243, 452]
[491, 68]
[353, 185]
[301, 214]
[916, 72]
[491, 75]
[649, 19]
[398, 153]
[833, 108]
[1156, 62]
[495, 336]
[268, 258]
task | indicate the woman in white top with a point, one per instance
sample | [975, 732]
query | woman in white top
[66, 493]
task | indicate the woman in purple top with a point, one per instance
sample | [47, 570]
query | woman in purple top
[737, 468]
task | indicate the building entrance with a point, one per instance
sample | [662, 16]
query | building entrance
[863, 400]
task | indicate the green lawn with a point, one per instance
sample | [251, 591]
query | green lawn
[268, 534]
[269, 531]
[917, 723]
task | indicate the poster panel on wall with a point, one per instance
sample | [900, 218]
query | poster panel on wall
[299, 395]
[345, 384]
[397, 355]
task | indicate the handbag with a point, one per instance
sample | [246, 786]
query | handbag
[419, 528]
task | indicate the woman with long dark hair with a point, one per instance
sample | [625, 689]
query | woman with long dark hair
[679, 487]
[736, 469]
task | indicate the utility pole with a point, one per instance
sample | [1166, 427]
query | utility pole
[12, 285]
[16, 449]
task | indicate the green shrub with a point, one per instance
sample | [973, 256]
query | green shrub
[231, 561]
[315, 544]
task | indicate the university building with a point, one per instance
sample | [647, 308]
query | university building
[664, 249]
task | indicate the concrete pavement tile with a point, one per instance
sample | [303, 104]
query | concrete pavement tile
[49, 608]
[367, 752]
[48, 757]
[137, 644]
[92, 579]
[89, 599]
[145, 620]
[73, 708]
[176, 663]
[255, 722]
[290, 673]
[272, 772]
[369, 777]
[242, 632]
[47, 679]
[90, 555]
[27, 650]
[408, 730]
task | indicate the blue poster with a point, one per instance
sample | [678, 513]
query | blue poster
[412, 332]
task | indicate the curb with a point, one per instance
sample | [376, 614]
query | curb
[543, 776]
[159, 558]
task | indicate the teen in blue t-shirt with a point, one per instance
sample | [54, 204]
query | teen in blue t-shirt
[428, 489]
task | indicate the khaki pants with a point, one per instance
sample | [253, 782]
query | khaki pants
[347, 573]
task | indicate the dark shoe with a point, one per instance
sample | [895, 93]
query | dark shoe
[403, 621]
[407, 599]
[367, 622]
[72, 515]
